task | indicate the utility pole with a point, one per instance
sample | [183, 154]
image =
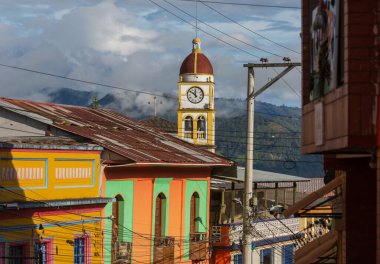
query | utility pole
[247, 237]
[251, 95]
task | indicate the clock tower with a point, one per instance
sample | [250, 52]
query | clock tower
[196, 114]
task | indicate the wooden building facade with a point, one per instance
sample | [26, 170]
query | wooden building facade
[340, 119]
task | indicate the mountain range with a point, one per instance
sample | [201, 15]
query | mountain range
[277, 128]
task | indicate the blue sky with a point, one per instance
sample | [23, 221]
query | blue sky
[137, 45]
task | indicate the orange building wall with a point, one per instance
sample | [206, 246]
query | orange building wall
[143, 202]
[142, 220]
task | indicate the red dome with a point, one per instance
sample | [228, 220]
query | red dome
[196, 62]
[202, 65]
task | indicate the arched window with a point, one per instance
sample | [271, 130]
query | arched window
[188, 127]
[160, 218]
[201, 127]
[117, 220]
[194, 214]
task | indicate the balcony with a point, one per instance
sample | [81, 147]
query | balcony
[163, 250]
[121, 252]
[198, 246]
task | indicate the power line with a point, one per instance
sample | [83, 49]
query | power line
[207, 33]
[118, 87]
[287, 84]
[85, 81]
[250, 30]
[222, 32]
[244, 4]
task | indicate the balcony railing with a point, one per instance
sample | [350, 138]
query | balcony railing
[121, 252]
[163, 250]
[201, 135]
[188, 134]
[198, 246]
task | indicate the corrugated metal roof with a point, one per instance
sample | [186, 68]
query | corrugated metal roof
[58, 143]
[160, 123]
[260, 176]
[116, 132]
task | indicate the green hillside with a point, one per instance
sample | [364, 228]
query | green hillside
[276, 144]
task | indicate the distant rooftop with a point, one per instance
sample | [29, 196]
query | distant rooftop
[264, 178]
[260, 176]
[161, 123]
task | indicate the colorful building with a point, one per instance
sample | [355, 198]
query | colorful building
[159, 183]
[50, 204]
[274, 239]
[340, 119]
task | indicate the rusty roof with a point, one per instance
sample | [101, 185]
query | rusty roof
[116, 132]
[161, 123]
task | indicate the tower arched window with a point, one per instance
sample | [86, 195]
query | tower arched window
[201, 127]
[188, 127]
[194, 213]
[160, 218]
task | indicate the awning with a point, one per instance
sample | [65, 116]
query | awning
[320, 250]
[315, 204]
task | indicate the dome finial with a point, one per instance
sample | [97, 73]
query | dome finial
[197, 44]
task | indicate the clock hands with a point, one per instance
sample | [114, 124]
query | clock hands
[193, 91]
[195, 95]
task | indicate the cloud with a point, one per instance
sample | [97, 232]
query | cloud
[134, 45]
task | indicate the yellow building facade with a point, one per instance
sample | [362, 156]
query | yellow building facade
[50, 205]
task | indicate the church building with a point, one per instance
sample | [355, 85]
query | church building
[196, 114]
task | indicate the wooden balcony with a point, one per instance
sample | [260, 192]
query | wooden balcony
[163, 250]
[121, 252]
[198, 246]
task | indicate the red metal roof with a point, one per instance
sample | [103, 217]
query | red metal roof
[116, 132]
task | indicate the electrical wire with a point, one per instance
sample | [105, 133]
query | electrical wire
[244, 4]
[85, 81]
[224, 33]
[250, 30]
[207, 33]
[287, 84]
[120, 88]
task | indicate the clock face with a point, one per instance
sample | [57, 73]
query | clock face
[195, 94]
